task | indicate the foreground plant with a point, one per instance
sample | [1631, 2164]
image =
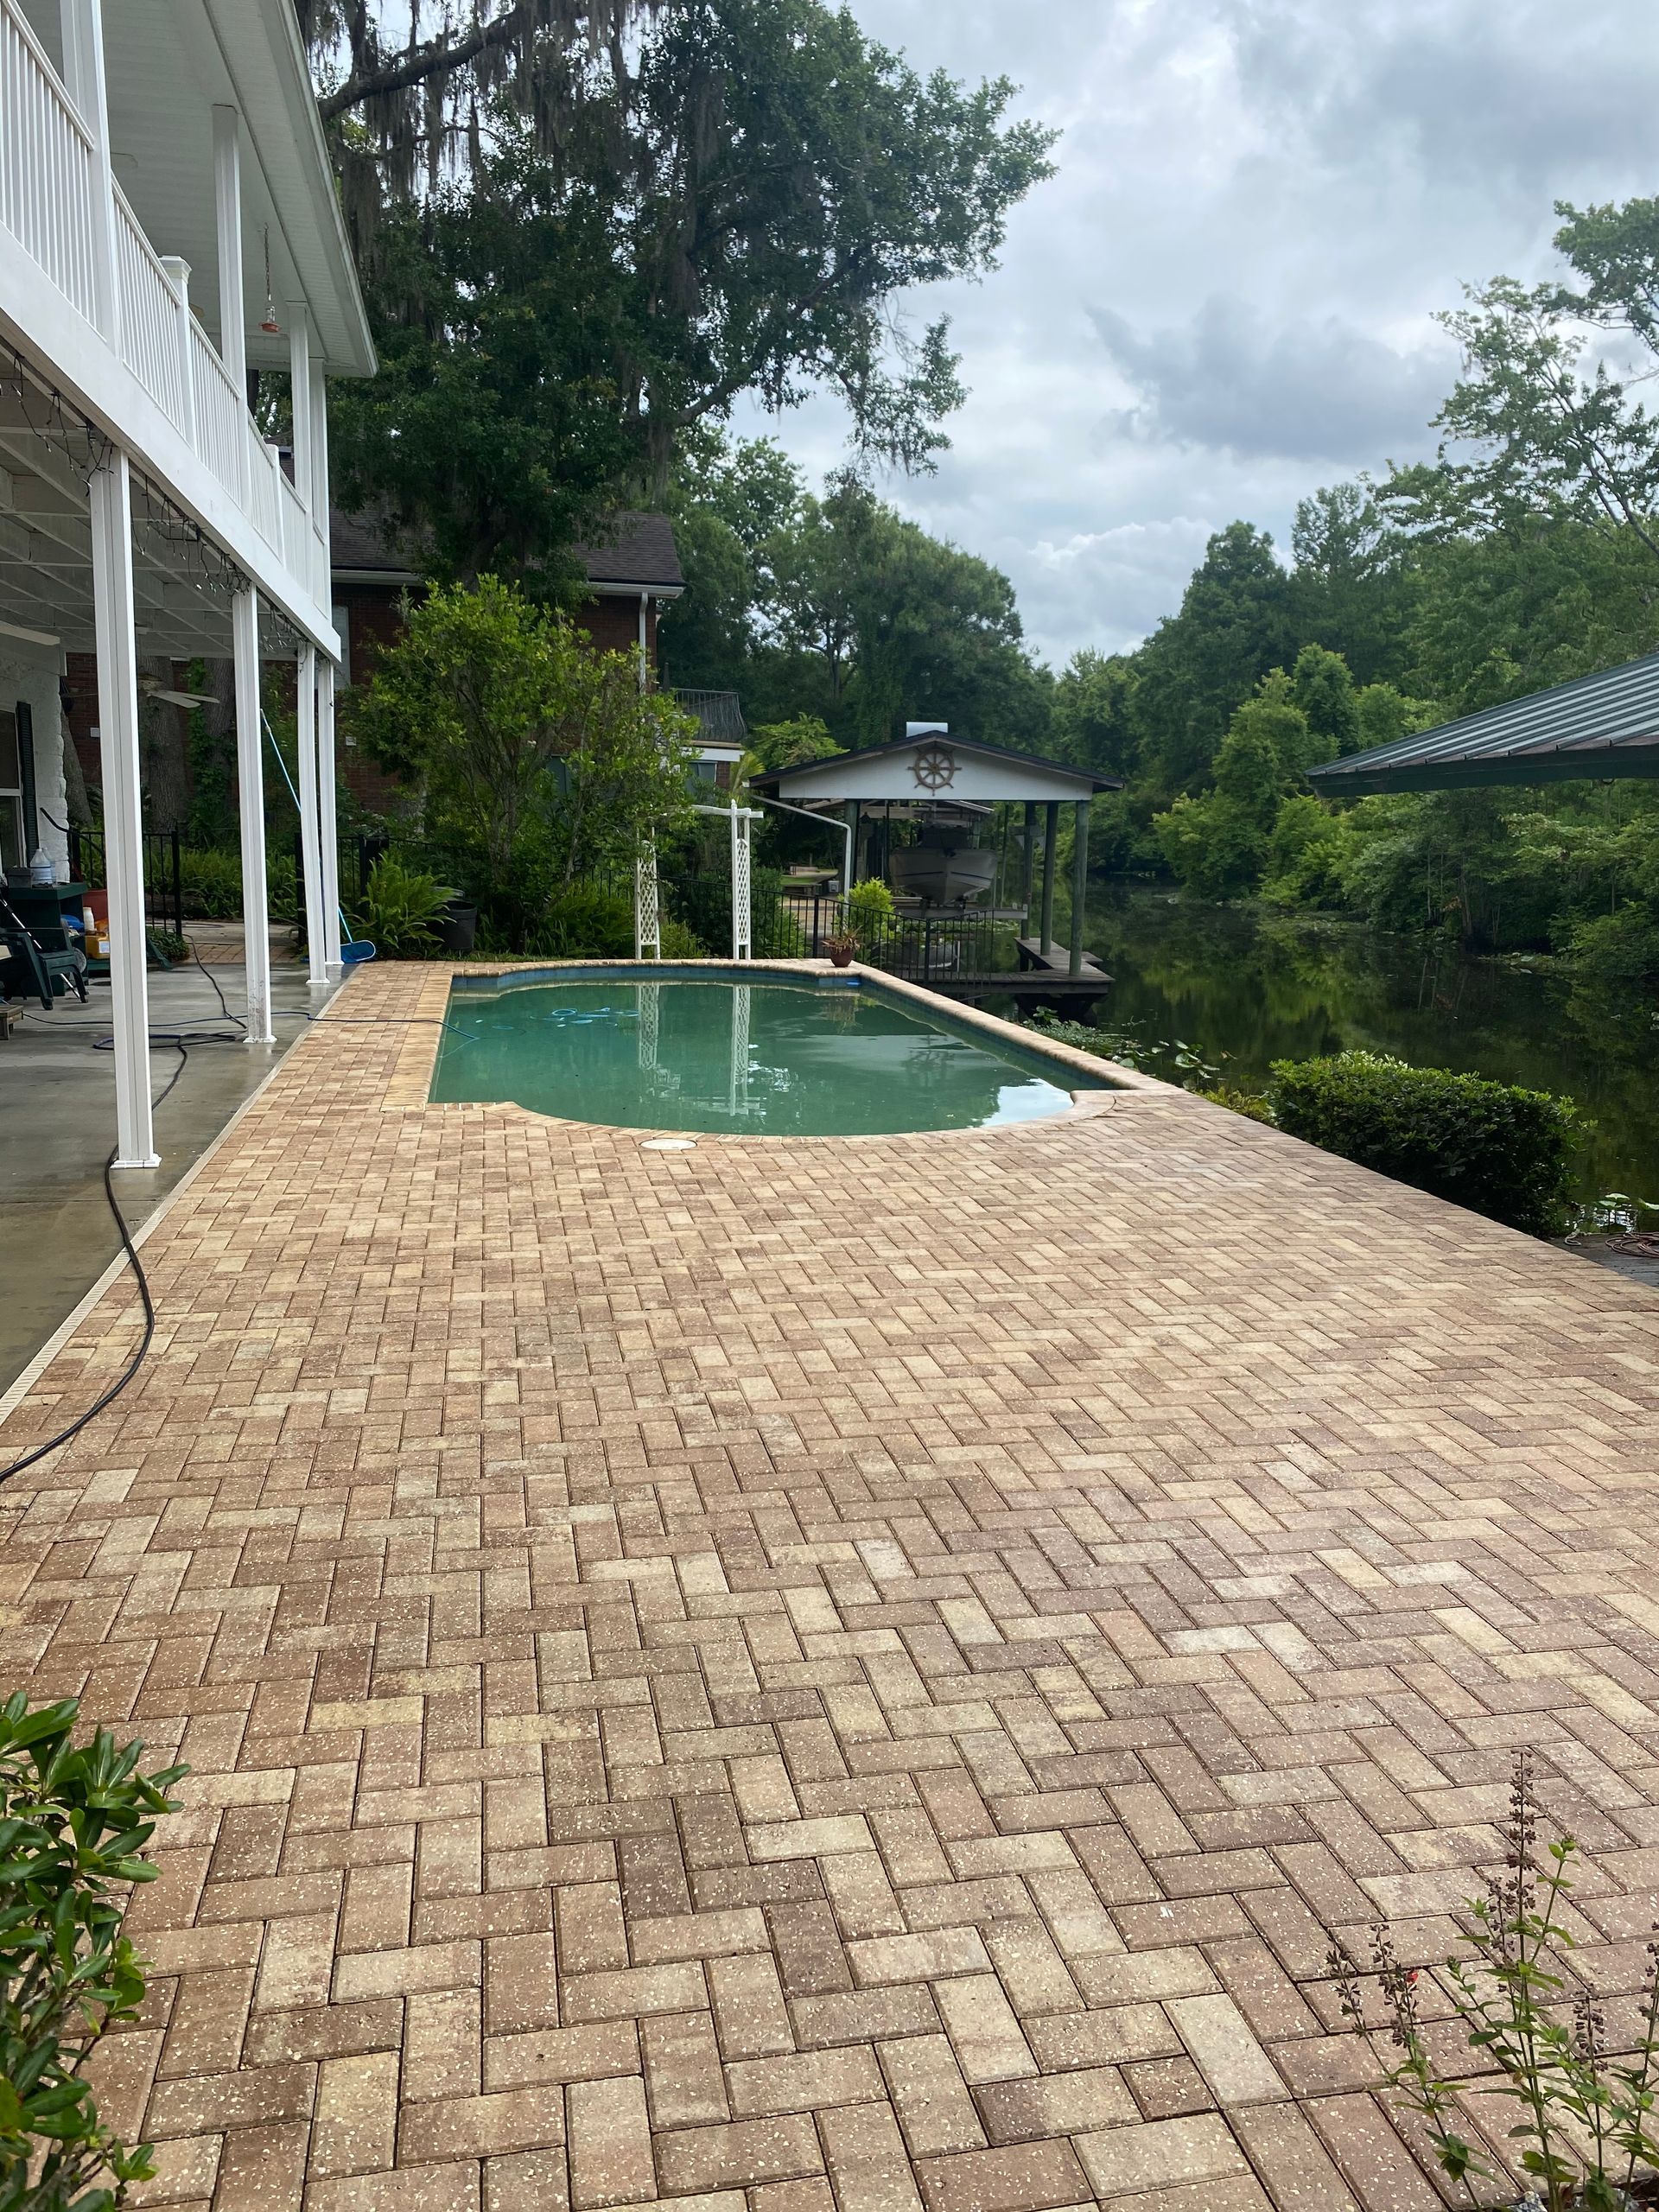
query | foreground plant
[1584, 2114]
[74, 1819]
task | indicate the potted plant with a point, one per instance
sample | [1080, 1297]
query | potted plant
[843, 948]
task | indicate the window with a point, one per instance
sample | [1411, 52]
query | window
[343, 624]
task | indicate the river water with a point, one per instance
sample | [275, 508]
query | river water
[1245, 987]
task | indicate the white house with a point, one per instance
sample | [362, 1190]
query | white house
[168, 222]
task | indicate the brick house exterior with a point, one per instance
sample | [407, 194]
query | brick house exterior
[632, 572]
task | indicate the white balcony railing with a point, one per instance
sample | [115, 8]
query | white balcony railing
[51, 180]
[150, 334]
[262, 504]
[221, 417]
[48, 167]
[297, 534]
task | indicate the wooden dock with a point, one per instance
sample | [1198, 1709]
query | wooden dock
[1051, 959]
[1032, 986]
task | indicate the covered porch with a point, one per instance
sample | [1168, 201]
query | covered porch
[96, 558]
[939, 794]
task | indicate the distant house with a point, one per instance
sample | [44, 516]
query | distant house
[634, 572]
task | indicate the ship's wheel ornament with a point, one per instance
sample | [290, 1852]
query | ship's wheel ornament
[934, 767]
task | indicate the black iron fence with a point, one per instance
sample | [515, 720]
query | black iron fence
[163, 874]
[920, 948]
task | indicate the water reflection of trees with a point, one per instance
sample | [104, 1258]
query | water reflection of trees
[1259, 986]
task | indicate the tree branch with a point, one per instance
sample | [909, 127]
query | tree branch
[424, 61]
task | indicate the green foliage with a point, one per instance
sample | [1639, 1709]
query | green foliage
[585, 922]
[1250, 1103]
[211, 757]
[791, 744]
[281, 887]
[1167, 1056]
[1539, 424]
[1219, 842]
[714, 205]
[536, 758]
[1200, 666]
[701, 904]
[1213, 845]
[841, 616]
[1306, 854]
[212, 882]
[496, 425]
[678, 941]
[401, 909]
[1491, 1147]
[1094, 723]
[74, 1821]
[1582, 2109]
[868, 912]
[1323, 693]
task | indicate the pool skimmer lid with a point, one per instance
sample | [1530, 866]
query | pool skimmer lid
[669, 1144]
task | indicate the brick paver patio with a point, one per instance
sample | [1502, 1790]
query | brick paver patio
[849, 1672]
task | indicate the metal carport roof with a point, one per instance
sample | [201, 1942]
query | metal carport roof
[1596, 727]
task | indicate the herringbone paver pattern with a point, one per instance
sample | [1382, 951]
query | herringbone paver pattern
[847, 1676]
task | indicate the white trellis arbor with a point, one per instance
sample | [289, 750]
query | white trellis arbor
[647, 890]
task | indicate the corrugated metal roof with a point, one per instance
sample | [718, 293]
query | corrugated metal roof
[1598, 727]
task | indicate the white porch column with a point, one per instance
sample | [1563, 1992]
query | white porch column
[250, 788]
[328, 830]
[319, 492]
[317, 901]
[227, 216]
[299, 388]
[110, 493]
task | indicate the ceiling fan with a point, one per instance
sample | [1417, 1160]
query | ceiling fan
[151, 686]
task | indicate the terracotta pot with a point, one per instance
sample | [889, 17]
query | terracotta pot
[840, 959]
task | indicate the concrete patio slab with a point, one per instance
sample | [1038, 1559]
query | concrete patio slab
[57, 1112]
[853, 1674]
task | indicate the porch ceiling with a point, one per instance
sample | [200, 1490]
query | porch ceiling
[46, 565]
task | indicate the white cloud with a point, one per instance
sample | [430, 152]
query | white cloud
[1304, 390]
[1227, 295]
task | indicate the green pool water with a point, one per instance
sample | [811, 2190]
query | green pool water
[764, 1059]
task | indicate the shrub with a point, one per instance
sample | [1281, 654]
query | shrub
[401, 908]
[281, 888]
[679, 942]
[1620, 949]
[1491, 1147]
[585, 923]
[72, 1823]
[1250, 1103]
[868, 912]
[212, 883]
[703, 904]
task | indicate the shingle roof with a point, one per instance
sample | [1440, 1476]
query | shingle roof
[1604, 727]
[635, 550]
[365, 541]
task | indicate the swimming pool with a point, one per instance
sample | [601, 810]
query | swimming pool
[771, 1058]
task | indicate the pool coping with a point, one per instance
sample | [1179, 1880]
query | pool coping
[410, 1083]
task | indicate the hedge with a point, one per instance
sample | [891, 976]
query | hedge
[1491, 1147]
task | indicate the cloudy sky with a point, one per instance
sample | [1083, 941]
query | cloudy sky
[1226, 296]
